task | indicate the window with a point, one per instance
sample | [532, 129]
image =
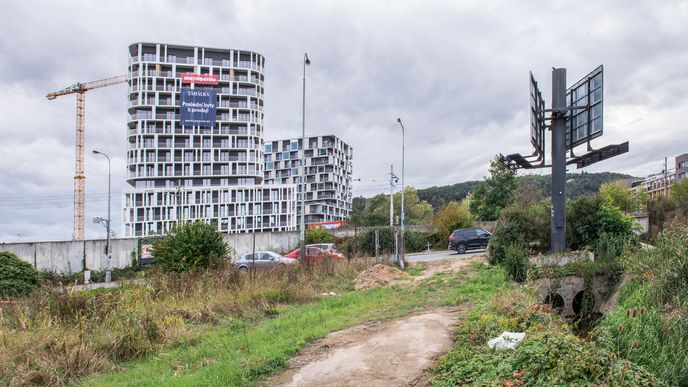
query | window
[294, 145]
[285, 155]
[269, 165]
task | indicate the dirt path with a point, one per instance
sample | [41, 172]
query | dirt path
[378, 353]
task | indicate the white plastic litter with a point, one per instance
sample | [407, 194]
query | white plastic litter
[507, 340]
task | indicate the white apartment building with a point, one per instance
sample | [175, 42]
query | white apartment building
[328, 174]
[212, 171]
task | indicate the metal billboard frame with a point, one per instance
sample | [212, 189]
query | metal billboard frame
[537, 118]
[585, 109]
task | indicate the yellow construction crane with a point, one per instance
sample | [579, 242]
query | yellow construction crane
[80, 90]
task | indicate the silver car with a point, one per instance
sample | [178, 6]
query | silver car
[263, 259]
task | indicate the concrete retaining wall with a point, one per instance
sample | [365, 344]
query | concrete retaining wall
[66, 257]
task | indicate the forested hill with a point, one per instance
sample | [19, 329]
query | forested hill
[577, 184]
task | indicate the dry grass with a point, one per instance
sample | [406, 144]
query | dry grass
[54, 338]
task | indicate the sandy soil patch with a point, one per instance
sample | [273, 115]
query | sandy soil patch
[378, 275]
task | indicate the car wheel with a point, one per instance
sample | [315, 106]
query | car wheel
[243, 269]
[460, 248]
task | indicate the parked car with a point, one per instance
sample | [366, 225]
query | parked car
[263, 259]
[314, 254]
[329, 247]
[466, 239]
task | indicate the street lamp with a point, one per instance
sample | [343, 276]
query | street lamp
[403, 214]
[108, 270]
[302, 253]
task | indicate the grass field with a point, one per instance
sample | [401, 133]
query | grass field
[240, 351]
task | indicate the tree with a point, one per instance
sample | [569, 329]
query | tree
[190, 246]
[679, 194]
[589, 217]
[318, 235]
[375, 211]
[620, 196]
[453, 216]
[494, 193]
[415, 210]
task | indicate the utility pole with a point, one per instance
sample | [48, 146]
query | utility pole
[392, 179]
[403, 214]
[558, 230]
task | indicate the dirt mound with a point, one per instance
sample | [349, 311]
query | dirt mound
[378, 275]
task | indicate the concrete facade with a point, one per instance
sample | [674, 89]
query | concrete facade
[181, 172]
[682, 166]
[328, 172]
[659, 184]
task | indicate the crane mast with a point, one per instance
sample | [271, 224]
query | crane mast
[80, 90]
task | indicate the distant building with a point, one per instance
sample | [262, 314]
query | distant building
[682, 166]
[328, 174]
[212, 171]
[659, 184]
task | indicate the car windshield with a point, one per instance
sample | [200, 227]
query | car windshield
[274, 255]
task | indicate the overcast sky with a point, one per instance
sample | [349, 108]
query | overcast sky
[456, 72]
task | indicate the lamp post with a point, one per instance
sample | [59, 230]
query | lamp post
[403, 213]
[108, 270]
[302, 252]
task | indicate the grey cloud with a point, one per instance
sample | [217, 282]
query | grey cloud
[455, 72]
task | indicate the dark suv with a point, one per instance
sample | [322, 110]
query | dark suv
[469, 239]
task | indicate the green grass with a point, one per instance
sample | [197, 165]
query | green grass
[239, 352]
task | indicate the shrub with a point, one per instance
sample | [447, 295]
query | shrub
[17, 278]
[591, 216]
[190, 246]
[318, 235]
[609, 247]
[516, 262]
[519, 226]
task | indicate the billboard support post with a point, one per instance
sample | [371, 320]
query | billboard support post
[558, 228]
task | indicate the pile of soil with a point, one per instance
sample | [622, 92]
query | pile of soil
[378, 275]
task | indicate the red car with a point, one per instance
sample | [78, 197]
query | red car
[314, 254]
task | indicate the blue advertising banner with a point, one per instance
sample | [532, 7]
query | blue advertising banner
[197, 106]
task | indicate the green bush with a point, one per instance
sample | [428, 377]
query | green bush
[609, 247]
[190, 246]
[520, 226]
[516, 262]
[589, 217]
[318, 235]
[17, 278]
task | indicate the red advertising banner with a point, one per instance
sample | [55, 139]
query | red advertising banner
[200, 79]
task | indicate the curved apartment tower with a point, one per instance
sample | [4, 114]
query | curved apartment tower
[195, 132]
